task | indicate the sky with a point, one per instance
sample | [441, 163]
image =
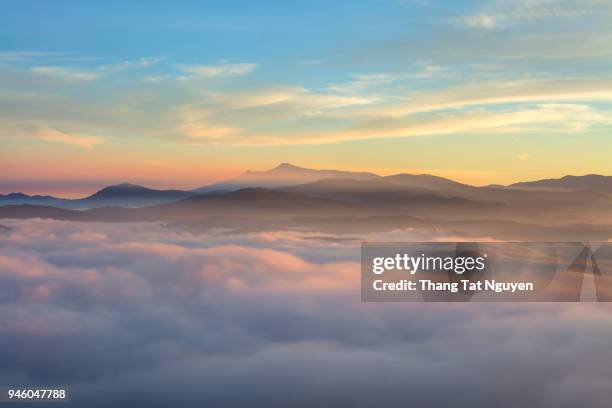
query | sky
[184, 93]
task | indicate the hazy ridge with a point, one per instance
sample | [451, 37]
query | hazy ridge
[297, 198]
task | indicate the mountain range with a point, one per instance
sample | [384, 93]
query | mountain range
[120, 195]
[290, 192]
[284, 174]
[293, 178]
[590, 182]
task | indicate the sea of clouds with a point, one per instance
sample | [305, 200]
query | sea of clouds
[146, 315]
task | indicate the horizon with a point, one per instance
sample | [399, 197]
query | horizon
[82, 193]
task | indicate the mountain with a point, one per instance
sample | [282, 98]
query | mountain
[198, 215]
[130, 195]
[284, 174]
[424, 181]
[257, 201]
[20, 198]
[363, 190]
[249, 202]
[120, 195]
[590, 182]
[382, 197]
[336, 193]
[38, 211]
[340, 186]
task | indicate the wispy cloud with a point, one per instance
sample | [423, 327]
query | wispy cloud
[71, 74]
[491, 93]
[143, 62]
[238, 117]
[481, 21]
[208, 71]
[368, 106]
[374, 81]
[506, 12]
[295, 96]
[55, 136]
[198, 124]
[27, 55]
[542, 118]
[431, 71]
[65, 73]
[556, 117]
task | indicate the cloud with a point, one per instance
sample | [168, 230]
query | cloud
[162, 317]
[491, 107]
[429, 98]
[66, 74]
[209, 71]
[379, 83]
[226, 117]
[502, 13]
[27, 55]
[297, 98]
[481, 21]
[502, 92]
[200, 124]
[143, 62]
[537, 118]
[55, 136]
[361, 83]
[70, 74]
[430, 71]
[371, 105]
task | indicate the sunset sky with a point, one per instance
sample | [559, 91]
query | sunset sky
[181, 94]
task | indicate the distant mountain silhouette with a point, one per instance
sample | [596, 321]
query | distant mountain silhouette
[423, 181]
[284, 174]
[343, 185]
[254, 210]
[590, 182]
[254, 202]
[257, 201]
[120, 195]
[377, 190]
[122, 190]
[298, 192]
[20, 198]
[131, 195]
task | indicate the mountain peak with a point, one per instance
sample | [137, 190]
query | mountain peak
[129, 194]
[17, 195]
[590, 182]
[285, 174]
[585, 177]
[287, 166]
[126, 184]
[283, 167]
[122, 188]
